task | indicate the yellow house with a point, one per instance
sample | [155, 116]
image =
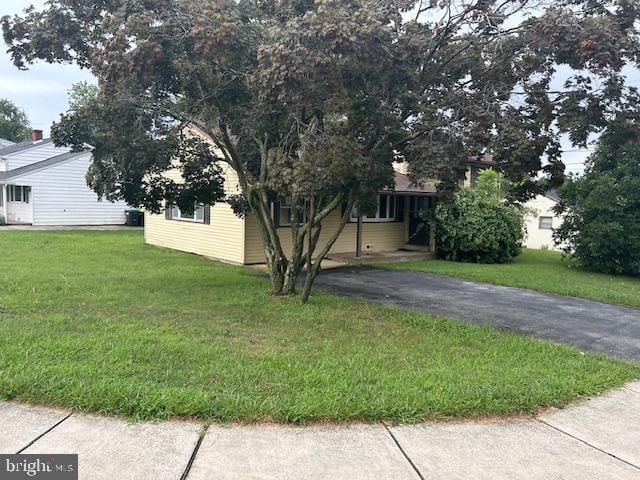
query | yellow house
[215, 231]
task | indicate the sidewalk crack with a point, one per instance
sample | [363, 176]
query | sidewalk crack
[395, 440]
[43, 434]
[192, 458]
[588, 444]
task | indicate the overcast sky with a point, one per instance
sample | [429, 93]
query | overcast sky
[42, 90]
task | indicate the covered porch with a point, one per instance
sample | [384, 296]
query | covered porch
[371, 258]
[411, 204]
[16, 204]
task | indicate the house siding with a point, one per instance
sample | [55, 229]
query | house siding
[19, 212]
[33, 155]
[222, 239]
[540, 238]
[376, 237]
[60, 196]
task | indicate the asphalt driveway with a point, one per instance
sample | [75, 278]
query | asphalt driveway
[588, 325]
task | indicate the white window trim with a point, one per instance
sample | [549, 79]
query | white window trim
[390, 214]
[11, 194]
[287, 204]
[194, 219]
[540, 227]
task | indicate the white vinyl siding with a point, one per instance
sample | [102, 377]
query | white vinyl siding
[19, 212]
[60, 196]
[541, 222]
[34, 154]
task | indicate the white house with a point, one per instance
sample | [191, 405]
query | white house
[542, 221]
[41, 184]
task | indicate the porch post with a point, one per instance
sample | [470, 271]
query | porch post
[4, 201]
[359, 236]
[432, 236]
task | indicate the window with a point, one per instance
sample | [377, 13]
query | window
[283, 209]
[197, 216]
[18, 193]
[545, 223]
[386, 211]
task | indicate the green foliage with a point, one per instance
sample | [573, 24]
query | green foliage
[14, 124]
[101, 322]
[492, 186]
[601, 211]
[83, 95]
[479, 226]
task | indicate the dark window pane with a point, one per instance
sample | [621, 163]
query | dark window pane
[382, 208]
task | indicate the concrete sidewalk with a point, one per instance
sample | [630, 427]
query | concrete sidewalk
[597, 438]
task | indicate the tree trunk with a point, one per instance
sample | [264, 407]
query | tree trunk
[277, 262]
[277, 267]
[314, 269]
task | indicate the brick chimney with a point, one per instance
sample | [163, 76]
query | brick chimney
[36, 136]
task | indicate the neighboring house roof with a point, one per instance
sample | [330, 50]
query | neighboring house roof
[18, 147]
[5, 143]
[482, 160]
[11, 174]
[553, 194]
[403, 184]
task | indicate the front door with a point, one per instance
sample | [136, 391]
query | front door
[418, 228]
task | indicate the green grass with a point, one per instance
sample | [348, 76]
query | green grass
[541, 270]
[100, 322]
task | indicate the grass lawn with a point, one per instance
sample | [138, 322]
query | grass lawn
[101, 322]
[541, 270]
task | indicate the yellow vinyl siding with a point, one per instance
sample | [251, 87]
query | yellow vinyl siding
[222, 239]
[381, 236]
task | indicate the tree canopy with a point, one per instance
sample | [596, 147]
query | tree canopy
[314, 100]
[601, 209]
[14, 124]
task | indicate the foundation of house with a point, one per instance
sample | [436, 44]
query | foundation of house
[368, 258]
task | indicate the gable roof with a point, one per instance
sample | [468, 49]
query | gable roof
[18, 147]
[552, 194]
[11, 174]
[5, 143]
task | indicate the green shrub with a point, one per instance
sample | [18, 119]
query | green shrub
[601, 212]
[478, 226]
[2, 220]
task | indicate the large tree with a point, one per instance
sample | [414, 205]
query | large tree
[601, 209]
[314, 100]
[14, 124]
